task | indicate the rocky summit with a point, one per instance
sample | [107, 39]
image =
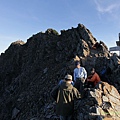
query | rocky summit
[29, 71]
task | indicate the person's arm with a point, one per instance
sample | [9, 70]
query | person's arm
[60, 82]
[77, 94]
[74, 75]
[92, 79]
[98, 77]
[90, 76]
[85, 73]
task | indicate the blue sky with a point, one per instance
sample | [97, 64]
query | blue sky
[20, 19]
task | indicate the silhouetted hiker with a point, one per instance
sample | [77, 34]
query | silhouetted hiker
[94, 77]
[80, 76]
[65, 95]
[97, 45]
[103, 44]
[104, 74]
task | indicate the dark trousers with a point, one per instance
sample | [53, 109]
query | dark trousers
[89, 84]
[79, 85]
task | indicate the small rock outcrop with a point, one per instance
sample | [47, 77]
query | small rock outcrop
[101, 102]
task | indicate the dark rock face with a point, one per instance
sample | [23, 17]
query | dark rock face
[28, 71]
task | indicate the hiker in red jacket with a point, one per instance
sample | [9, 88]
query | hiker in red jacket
[94, 77]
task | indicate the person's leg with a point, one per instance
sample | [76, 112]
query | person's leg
[63, 117]
[81, 89]
[77, 84]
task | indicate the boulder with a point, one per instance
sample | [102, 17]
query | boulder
[101, 101]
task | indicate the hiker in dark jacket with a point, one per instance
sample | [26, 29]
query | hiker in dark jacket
[66, 94]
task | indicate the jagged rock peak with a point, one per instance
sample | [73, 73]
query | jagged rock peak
[51, 31]
[14, 46]
[18, 42]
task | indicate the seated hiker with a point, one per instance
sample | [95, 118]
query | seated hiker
[89, 84]
[65, 97]
[80, 76]
[94, 77]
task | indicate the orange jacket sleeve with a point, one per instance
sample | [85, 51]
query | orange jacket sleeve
[95, 78]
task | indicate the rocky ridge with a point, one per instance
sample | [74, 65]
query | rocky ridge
[29, 71]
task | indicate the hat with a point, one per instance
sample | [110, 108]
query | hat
[77, 63]
[68, 77]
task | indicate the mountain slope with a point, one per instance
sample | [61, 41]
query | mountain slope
[28, 71]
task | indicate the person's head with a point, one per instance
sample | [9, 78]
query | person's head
[92, 70]
[77, 64]
[68, 77]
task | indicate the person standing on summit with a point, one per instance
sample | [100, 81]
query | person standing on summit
[80, 76]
